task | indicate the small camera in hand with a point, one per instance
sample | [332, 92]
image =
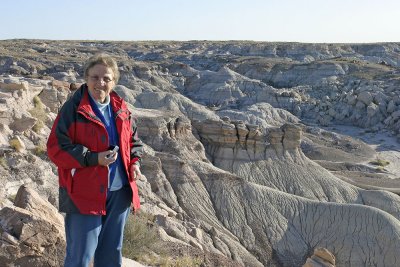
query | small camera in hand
[114, 149]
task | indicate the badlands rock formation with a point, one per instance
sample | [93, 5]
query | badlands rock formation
[321, 257]
[242, 158]
[32, 232]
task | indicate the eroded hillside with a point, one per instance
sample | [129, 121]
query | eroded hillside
[243, 162]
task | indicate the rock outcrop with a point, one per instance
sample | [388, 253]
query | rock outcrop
[321, 258]
[216, 192]
[32, 232]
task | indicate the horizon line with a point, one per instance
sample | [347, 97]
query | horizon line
[198, 40]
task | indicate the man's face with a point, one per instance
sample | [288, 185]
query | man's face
[100, 82]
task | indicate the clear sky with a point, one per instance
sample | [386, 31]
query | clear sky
[330, 21]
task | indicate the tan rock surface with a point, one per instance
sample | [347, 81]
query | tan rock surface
[30, 200]
[321, 258]
[29, 240]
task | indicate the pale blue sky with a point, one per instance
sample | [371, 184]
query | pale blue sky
[259, 20]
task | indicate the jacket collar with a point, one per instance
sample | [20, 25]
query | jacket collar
[116, 102]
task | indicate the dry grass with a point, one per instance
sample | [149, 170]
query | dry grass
[3, 162]
[142, 243]
[14, 143]
[38, 126]
[40, 150]
[39, 113]
[380, 162]
[166, 261]
[140, 236]
[12, 197]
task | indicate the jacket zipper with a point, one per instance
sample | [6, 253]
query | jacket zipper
[109, 179]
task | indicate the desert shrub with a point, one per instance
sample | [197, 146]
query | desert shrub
[39, 113]
[14, 143]
[380, 169]
[40, 150]
[165, 261]
[12, 197]
[38, 126]
[380, 162]
[142, 243]
[184, 261]
[140, 236]
[3, 162]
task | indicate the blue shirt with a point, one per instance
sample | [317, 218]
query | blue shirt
[117, 174]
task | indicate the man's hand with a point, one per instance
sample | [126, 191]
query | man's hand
[107, 157]
[135, 172]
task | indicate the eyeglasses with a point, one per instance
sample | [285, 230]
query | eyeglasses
[97, 79]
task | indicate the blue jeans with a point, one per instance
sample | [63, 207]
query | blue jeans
[96, 235]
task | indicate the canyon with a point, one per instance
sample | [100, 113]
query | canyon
[256, 154]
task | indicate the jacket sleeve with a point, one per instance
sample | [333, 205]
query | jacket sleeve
[136, 145]
[61, 148]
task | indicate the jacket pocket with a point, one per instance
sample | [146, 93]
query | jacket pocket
[86, 182]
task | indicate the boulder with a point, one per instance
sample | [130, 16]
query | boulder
[28, 240]
[23, 123]
[391, 107]
[372, 109]
[321, 258]
[11, 86]
[30, 200]
[60, 85]
[351, 99]
[365, 97]
[396, 115]
[360, 105]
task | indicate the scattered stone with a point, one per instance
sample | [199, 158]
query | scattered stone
[321, 258]
[28, 239]
[365, 97]
[14, 86]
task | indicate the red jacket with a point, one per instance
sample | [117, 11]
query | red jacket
[76, 138]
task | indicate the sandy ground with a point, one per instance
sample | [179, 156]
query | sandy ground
[386, 146]
[130, 263]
